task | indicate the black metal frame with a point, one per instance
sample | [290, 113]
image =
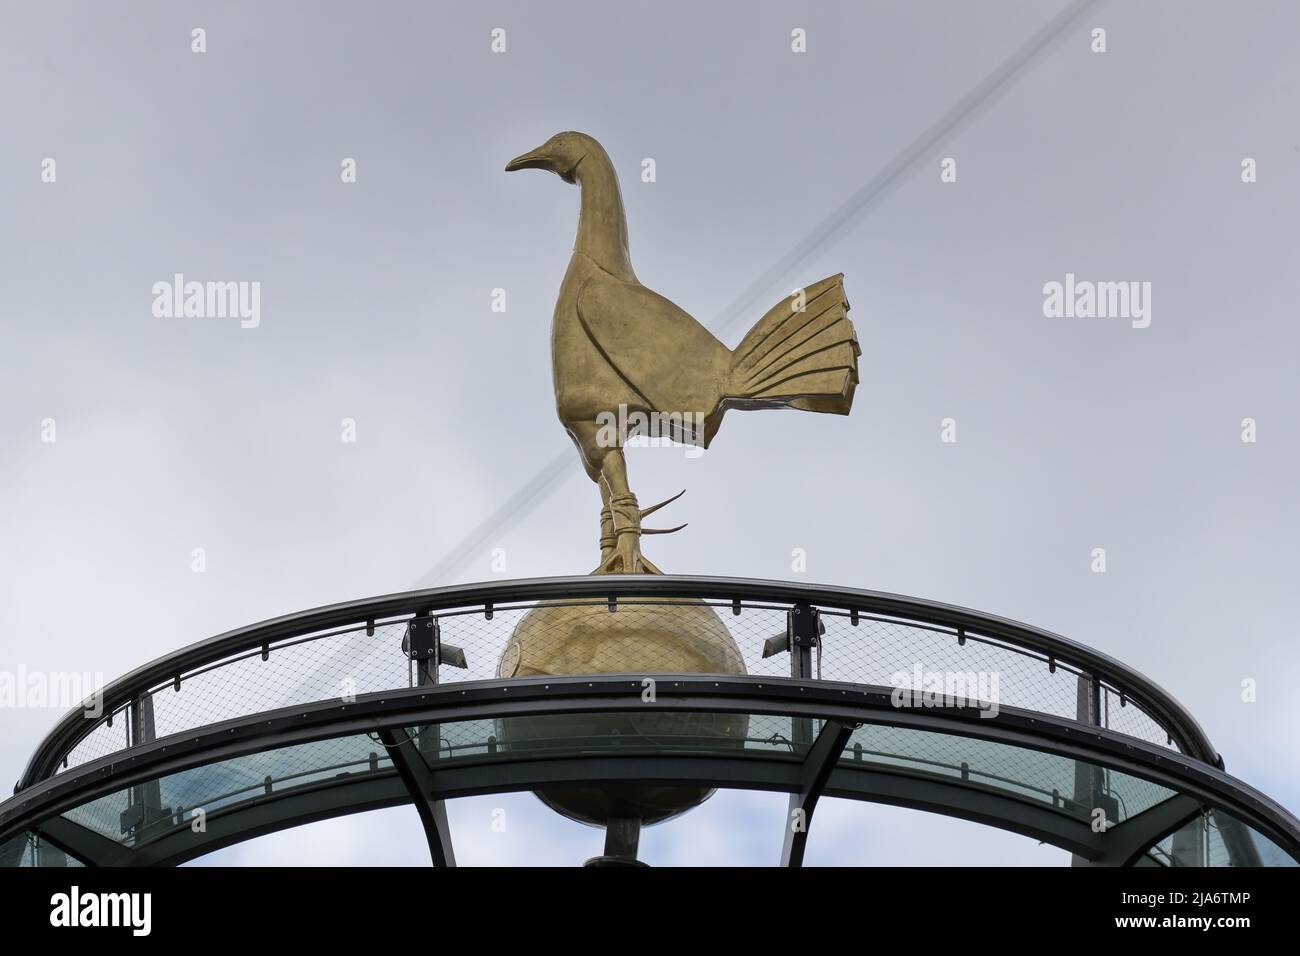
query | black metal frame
[841, 706]
[1178, 723]
[818, 765]
[422, 787]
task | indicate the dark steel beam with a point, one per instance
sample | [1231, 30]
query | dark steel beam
[84, 844]
[846, 703]
[608, 692]
[822, 756]
[1124, 842]
[419, 781]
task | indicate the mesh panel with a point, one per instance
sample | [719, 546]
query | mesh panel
[639, 636]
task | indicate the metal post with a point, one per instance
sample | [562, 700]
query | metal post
[802, 628]
[802, 636]
[1086, 785]
[423, 645]
[1089, 779]
[144, 800]
[622, 837]
[426, 650]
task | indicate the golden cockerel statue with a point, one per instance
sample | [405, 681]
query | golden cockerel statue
[619, 349]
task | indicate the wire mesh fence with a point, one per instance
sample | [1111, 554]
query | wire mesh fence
[650, 635]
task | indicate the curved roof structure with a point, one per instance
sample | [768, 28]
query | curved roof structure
[337, 710]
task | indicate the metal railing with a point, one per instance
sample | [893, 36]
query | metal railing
[363, 646]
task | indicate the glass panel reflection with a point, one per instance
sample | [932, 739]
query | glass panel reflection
[135, 816]
[1071, 786]
[1217, 838]
[29, 849]
[138, 814]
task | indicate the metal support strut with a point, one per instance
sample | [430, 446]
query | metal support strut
[418, 778]
[804, 631]
[414, 757]
[817, 767]
[144, 801]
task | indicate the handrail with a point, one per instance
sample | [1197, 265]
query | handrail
[1181, 726]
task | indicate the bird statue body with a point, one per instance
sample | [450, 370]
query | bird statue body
[622, 351]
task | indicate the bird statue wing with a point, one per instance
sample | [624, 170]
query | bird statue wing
[669, 359]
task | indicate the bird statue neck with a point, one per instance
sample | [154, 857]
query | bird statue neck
[602, 224]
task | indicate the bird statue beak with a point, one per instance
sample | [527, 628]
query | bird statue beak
[535, 159]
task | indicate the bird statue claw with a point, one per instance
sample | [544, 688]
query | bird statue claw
[620, 535]
[667, 501]
[627, 558]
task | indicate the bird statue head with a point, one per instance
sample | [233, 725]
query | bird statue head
[560, 154]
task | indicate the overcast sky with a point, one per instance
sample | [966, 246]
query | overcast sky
[1072, 433]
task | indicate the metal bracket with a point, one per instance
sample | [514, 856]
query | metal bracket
[422, 641]
[804, 623]
[422, 637]
[803, 630]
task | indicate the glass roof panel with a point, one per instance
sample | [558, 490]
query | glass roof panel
[1074, 787]
[134, 816]
[1217, 838]
[28, 849]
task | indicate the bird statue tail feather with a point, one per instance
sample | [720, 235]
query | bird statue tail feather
[803, 358]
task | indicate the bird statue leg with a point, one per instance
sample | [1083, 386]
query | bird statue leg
[627, 557]
[625, 519]
[608, 539]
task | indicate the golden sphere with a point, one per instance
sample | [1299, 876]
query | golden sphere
[555, 639]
